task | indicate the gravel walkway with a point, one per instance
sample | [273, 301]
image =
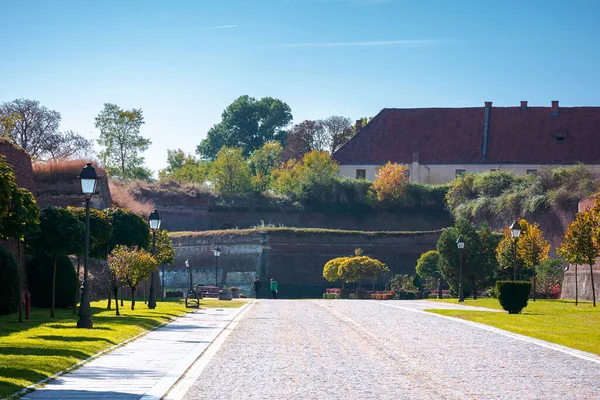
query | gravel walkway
[324, 349]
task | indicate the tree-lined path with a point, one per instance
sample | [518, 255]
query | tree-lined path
[366, 349]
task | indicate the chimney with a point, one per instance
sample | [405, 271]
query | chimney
[358, 125]
[554, 108]
[523, 105]
[488, 104]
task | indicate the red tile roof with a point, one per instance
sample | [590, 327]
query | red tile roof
[525, 135]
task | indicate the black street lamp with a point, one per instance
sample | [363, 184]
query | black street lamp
[515, 232]
[439, 274]
[217, 252]
[460, 242]
[88, 179]
[187, 264]
[154, 221]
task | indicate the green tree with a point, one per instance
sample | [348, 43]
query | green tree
[247, 123]
[128, 228]
[532, 248]
[263, 161]
[132, 266]
[9, 285]
[121, 141]
[310, 180]
[164, 252]
[230, 173]
[184, 168]
[477, 259]
[428, 263]
[580, 245]
[22, 219]
[360, 267]
[61, 233]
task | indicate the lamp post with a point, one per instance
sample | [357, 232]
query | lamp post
[154, 221]
[217, 252]
[439, 274]
[187, 265]
[460, 242]
[88, 179]
[515, 232]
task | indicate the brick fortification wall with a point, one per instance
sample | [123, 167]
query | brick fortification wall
[64, 194]
[294, 257]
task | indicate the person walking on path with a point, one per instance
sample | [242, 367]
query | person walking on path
[273, 286]
[256, 287]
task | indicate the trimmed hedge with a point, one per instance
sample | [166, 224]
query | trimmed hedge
[9, 284]
[331, 296]
[513, 295]
[39, 272]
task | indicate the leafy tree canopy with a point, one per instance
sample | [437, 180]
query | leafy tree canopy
[100, 230]
[164, 252]
[428, 263]
[184, 168]
[129, 229]
[121, 142]
[391, 183]
[230, 173]
[247, 123]
[60, 233]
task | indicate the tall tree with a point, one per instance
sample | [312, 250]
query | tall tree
[247, 123]
[230, 173]
[262, 162]
[121, 141]
[338, 131]
[128, 228]
[61, 233]
[184, 168]
[36, 129]
[301, 139]
[580, 245]
[532, 248]
[132, 266]
[22, 219]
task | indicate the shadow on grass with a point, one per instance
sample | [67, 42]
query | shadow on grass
[73, 338]
[39, 351]
[8, 388]
[74, 326]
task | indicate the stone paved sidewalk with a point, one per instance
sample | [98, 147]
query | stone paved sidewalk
[145, 368]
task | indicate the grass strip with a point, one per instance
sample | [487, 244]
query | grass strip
[42, 346]
[556, 321]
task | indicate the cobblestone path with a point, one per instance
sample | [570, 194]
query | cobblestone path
[303, 349]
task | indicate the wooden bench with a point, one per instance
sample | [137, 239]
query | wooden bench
[208, 291]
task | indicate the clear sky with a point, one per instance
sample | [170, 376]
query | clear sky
[183, 62]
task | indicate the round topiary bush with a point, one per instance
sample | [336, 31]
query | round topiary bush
[9, 284]
[513, 295]
[39, 273]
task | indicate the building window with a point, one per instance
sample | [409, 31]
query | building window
[361, 174]
[532, 172]
[460, 172]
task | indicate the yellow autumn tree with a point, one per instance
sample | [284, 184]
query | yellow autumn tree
[532, 248]
[580, 245]
[391, 183]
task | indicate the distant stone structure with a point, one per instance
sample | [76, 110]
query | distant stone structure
[294, 257]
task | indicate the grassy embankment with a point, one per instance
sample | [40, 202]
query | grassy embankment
[556, 321]
[42, 346]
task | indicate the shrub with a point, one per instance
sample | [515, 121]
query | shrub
[331, 296]
[9, 284]
[61, 171]
[513, 295]
[39, 272]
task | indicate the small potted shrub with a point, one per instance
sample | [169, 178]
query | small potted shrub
[225, 294]
[235, 292]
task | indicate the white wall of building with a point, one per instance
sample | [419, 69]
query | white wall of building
[444, 173]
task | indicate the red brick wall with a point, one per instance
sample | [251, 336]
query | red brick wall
[20, 162]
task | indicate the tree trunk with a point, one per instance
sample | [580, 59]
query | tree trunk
[593, 288]
[77, 287]
[52, 315]
[108, 307]
[474, 291]
[116, 292]
[122, 296]
[133, 298]
[20, 281]
[576, 290]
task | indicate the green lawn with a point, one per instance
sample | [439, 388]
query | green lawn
[42, 346]
[557, 321]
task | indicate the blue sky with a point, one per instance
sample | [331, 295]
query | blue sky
[183, 62]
